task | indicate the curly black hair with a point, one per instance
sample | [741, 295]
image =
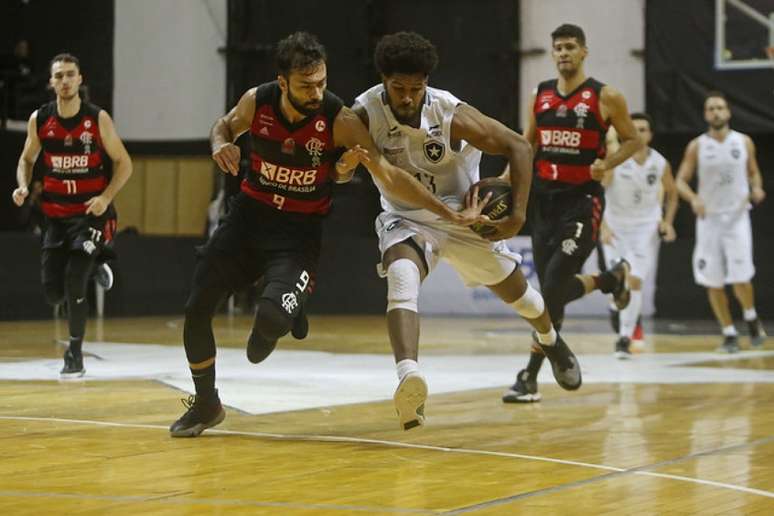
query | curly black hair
[405, 53]
[298, 51]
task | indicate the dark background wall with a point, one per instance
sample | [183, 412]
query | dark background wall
[476, 42]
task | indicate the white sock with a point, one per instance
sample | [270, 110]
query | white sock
[547, 339]
[406, 366]
[630, 314]
[729, 331]
[750, 314]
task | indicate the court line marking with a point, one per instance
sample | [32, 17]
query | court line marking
[614, 471]
[644, 470]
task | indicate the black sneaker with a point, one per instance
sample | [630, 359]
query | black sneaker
[622, 351]
[300, 327]
[563, 363]
[757, 333]
[730, 345]
[73, 365]
[525, 390]
[103, 275]
[258, 349]
[621, 293]
[201, 414]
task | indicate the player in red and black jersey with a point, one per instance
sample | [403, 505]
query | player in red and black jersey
[274, 227]
[76, 139]
[569, 117]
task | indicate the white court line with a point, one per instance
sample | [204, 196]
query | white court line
[398, 444]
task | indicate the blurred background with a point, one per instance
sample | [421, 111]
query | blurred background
[165, 70]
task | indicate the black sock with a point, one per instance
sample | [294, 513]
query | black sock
[575, 290]
[535, 362]
[75, 345]
[204, 381]
[606, 282]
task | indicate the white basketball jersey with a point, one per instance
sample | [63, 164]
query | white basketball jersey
[634, 194]
[425, 152]
[722, 167]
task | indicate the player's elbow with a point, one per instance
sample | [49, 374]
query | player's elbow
[521, 147]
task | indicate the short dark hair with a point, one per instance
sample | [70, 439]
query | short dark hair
[643, 116]
[568, 30]
[65, 58]
[298, 51]
[715, 93]
[406, 53]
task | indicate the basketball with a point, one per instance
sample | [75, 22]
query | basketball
[498, 207]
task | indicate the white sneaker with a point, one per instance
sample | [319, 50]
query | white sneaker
[104, 276]
[410, 399]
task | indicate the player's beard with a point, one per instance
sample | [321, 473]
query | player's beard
[405, 115]
[718, 124]
[306, 109]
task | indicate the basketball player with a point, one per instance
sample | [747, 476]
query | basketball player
[274, 226]
[569, 117]
[439, 139]
[728, 179]
[76, 138]
[634, 219]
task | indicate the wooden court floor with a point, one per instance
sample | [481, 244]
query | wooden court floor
[679, 430]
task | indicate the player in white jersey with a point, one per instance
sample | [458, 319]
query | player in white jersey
[439, 139]
[634, 218]
[729, 178]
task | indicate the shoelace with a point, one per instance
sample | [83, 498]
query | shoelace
[190, 402]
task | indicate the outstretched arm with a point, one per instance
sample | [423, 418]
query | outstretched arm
[349, 131]
[27, 161]
[492, 137]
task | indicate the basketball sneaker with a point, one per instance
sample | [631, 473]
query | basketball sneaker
[621, 293]
[73, 365]
[730, 345]
[638, 334]
[757, 333]
[563, 363]
[103, 275]
[258, 348]
[525, 390]
[410, 399]
[201, 414]
[622, 351]
[300, 327]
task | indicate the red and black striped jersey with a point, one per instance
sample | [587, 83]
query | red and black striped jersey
[570, 133]
[291, 163]
[73, 159]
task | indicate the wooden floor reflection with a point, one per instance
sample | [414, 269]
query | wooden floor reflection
[101, 447]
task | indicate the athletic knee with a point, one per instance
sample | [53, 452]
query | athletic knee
[403, 281]
[530, 305]
[271, 322]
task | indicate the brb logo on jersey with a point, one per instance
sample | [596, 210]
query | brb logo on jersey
[69, 162]
[287, 176]
[434, 151]
[560, 138]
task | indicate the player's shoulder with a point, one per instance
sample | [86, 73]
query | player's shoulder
[264, 93]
